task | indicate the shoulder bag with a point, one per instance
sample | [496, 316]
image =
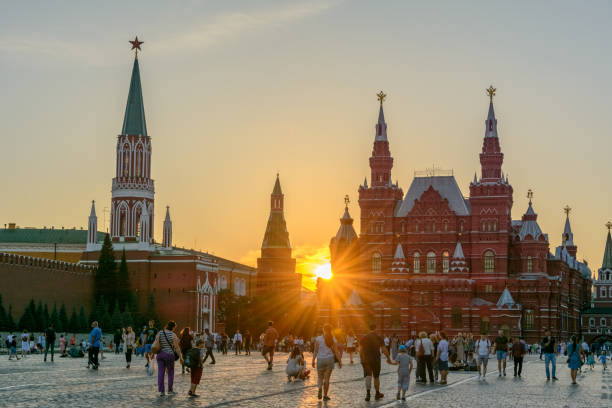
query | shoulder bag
[176, 356]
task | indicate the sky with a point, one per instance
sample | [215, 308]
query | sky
[236, 91]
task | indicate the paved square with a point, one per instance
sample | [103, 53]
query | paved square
[241, 381]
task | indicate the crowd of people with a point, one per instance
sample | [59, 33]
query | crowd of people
[430, 355]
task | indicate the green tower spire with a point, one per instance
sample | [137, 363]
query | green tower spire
[134, 121]
[607, 260]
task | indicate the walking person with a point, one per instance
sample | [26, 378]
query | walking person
[238, 342]
[325, 354]
[248, 339]
[195, 366]
[185, 342]
[483, 346]
[49, 341]
[519, 348]
[95, 342]
[501, 352]
[25, 343]
[149, 337]
[12, 345]
[574, 358]
[394, 346]
[405, 364]
[460, 344]
[548, 349]
[425, 353]
[209, 343]
[350, 344]
[602, 358]
[224, 339]
[128, 337]
[442, 358]
[370, 348]
[269, 343]
[169, 352]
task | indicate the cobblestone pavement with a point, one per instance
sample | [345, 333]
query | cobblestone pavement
[241, 381]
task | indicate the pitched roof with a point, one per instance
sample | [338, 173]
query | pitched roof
[607, 260]
[353, 300]
[134, 119]
[46, 236]
[505, 299]
[491, 123]
[381, 126]
[399, 252]
[446, 186]
[458, 251]
[346, 231]
[277, 187]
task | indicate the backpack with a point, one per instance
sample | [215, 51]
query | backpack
[421, 350]
[192, 358]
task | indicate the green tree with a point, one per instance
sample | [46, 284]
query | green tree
[124, 291]
[83, 323]
[10, 322]
[39, 315]
[46, 317]
[63, 319]
[27, 321]
[106, 278]
[54, 319]
[98, 311]
[116, 317]
[106, 322]
[73, 323]
[3, 316]
[128, 320]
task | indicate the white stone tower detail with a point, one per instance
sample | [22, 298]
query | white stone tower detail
[167, 239]
[92, 227]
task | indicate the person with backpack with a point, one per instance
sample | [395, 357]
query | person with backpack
[424, 349]
[185, 341]
[501, 352]
[482, 345]
[194, 361]
[519, 348]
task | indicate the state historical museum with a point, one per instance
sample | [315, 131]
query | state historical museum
[432, 259]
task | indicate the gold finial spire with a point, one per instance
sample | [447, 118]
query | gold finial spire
[609, 225]
[491, 92]
[530, 195]
[381, 97]
[567, 210]
[346, 201]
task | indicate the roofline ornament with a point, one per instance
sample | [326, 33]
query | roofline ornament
[491, 92]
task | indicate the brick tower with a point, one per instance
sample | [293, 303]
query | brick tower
[132, 202]
[276, 268]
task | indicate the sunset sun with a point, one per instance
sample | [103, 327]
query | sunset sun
[323, 271]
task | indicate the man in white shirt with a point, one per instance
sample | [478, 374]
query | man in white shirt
[238, 342]
[424, 351]
[483, 346]
[442, 358]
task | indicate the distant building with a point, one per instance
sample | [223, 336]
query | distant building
[597, 318]
[433, 259]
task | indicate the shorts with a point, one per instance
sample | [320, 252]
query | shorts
[403, 381]
[13, 350]
[267, 349]
[371, 368]
[196, 375]
[350, 349]
[501, 355]
[148, 348]
[443, 365]
[483, 360]
[326, 363]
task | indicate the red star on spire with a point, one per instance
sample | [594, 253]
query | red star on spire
[136, 45]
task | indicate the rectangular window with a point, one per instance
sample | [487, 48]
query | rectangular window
[529, 265]
[602, 321]
[529, 316]
[488, 288]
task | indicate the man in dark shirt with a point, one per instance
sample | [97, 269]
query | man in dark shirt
[150, 334]
[370, 347]
[49, 341]
[548, 349]
[501, 350]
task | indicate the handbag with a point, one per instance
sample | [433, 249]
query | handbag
[156, 347]
[176, 356]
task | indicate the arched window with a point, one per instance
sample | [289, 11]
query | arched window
[416, 227]
[431, 262]
[489, 262]
[461, 227]
[494, 225]
[592, 322]
[433, 226]
[484, 325]
[456, 317]
[445, 262]
[123, 222]
[138, 164]
[484, 226]
[602, 321]
[416, 263]
[529, 317]
[376, 263]
[223, 282]
[603, 293]
[445, 226]
[529, 265]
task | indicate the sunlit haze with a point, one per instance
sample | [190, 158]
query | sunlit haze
[235, 92]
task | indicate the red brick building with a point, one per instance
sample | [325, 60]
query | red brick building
[433, 259]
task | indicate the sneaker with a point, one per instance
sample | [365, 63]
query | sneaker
[403, 398]
[171, 392]
[161, 394]
[397, 396]
[367, 397]
[499, 375]
[555, 379]
[479, 376]
[326, 398]
[504, 373]
[212, 362]
[320, 394]
[547, 378]
[193, 395]
[379, 396]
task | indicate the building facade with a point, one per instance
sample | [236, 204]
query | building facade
[433, 259]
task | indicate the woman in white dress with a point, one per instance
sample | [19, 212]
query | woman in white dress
[351, 341]
[25, 343]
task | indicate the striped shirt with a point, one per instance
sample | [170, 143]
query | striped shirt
[166, 345]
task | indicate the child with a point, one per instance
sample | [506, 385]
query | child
[296, 368]
[471, 362]
[591, 361]
[602, 358]
[405, 362]
[196, 355]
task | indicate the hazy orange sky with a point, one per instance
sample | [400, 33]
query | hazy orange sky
[236, 91]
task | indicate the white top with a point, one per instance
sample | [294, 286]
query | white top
[324, 351]
[483, 347]
[350, 341]
[237, 338]
[443, 349]
[428, 346]
[386, 341]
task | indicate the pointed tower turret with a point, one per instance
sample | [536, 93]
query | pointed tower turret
[607, 259]
[491, 158]
[132, 185]
[92, 227]
[343, 247]
[458, 263]
[399, 260]
[567, 239]
[276, 235]
[167, 238]
[381, 161]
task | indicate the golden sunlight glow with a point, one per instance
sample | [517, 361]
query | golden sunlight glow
[323, 271]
